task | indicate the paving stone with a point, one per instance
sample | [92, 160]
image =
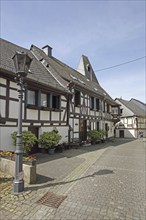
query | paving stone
[103, 184]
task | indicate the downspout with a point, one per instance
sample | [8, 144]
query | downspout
[69, 98]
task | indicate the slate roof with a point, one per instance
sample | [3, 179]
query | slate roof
[39, 73]
[49, 70]
[137, 107]
[67, 73]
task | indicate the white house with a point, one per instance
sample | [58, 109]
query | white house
[133, 118]
[55, 96]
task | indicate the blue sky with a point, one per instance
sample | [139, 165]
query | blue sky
[108, 32]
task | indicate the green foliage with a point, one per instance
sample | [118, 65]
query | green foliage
[101, 134]
[28, 140]
[96, 135]
[49, 139]
[93, 135]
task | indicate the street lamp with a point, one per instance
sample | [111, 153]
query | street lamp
[22, 64]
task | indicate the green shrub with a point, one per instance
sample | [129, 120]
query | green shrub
[49, 139]
[28, 140]
[93, 135]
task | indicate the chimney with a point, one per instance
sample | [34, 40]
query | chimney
[47, 50]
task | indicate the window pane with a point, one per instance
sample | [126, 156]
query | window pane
[91, 103]
[43, 99]
[31, 97]
[97, 104]
[77, 98]
[56, 101]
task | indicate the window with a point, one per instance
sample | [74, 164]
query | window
[44, 100]
[97, 104]
[94, 103]
[56, 101]
[97, 126]
[91, 103]
[31, 97]
[77, 98]
[108, 108]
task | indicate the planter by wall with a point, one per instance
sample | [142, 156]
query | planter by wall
[8, 166]
[51, 151]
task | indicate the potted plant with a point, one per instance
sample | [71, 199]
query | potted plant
[28, 140]
[94, 136]
[102, 135]
[49, 140]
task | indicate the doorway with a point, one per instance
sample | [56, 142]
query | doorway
[121, 133]
[83, 130]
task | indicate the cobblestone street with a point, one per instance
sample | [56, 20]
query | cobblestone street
[102, 182]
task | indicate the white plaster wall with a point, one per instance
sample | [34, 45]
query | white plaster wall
[55, 116]
[13, 109]
[76, 125]
[91, 112]
[13, 84]
[81, 67]
[3, 91]
[2, 81]
[44, 115]
[63, 104]
[6, 142]
[2, 107]
[77, 110]
[32, 114]
[62, 115]
[13, 94]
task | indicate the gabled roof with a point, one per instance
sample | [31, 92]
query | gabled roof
[137, 107]
[86, 69]
[39, 73]
[67, 73]
[49, 71]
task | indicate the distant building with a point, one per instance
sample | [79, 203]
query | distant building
[55, 96]
[133, 118]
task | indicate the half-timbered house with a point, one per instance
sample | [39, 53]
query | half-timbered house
[132, 120]
[55, 96]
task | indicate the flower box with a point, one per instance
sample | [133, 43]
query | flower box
[8, 166]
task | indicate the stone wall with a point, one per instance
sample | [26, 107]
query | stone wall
[8, 166]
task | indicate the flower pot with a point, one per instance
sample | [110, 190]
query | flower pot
[51, 150]
[43, 150]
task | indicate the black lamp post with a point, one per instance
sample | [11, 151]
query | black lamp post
[22, 64]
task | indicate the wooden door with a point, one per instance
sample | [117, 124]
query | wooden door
[83, 130]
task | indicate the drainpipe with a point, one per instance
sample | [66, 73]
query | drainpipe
[69, 98]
